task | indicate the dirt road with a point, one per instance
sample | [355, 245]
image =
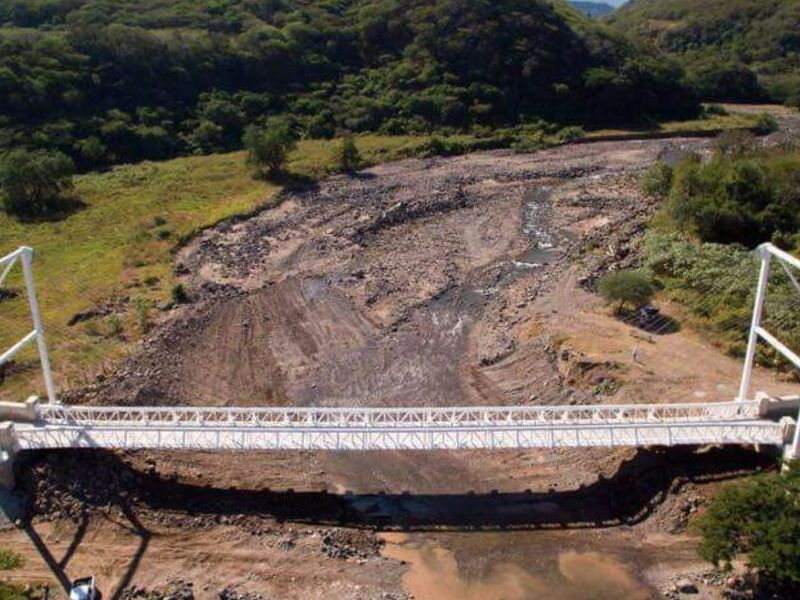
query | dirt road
[436, 282]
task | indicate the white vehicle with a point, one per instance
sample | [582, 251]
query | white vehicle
[84, 588]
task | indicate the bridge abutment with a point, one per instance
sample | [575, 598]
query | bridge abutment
[786, 410]
[10, 413]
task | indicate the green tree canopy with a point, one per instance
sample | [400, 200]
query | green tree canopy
[627, 287]
[759, 518]
[268, 147]
[35, 184]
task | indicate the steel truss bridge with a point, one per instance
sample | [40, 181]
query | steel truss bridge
[51, 425]
[58, 426]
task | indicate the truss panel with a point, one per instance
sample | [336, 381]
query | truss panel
[226, 437]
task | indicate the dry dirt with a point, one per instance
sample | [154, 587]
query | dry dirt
[423, 282]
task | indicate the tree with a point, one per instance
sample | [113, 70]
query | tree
[627, 287]
[759, 517]
[348, 158]
[269, 147]
[35, 184]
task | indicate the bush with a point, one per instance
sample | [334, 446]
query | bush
[268, 148]
[735, 143]
[35, 184]
[715, 110]
[569, 134]
[348, 158]
[657, 180]
[627, 287]
[759, 517]
[766, 123]
[10, 560]
[179, 294]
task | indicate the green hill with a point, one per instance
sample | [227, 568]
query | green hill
[121, 80]
[720, 40]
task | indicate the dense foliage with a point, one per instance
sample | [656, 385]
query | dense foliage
[737, 199]
[759, 517]
[723, 43]
[107, 81]
[35, 184]
[714, 212]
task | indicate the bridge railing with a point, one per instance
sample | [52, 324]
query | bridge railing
[24, 256]
[397, 417]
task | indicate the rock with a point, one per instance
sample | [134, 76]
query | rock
[685, 586]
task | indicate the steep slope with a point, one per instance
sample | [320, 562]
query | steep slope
[721, 35]
[120, 80]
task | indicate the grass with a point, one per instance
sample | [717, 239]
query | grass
[733, 120]
[118, 251]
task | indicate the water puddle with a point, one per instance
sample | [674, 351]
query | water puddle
[434, 574]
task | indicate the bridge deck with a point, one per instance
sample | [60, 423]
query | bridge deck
[215, 428]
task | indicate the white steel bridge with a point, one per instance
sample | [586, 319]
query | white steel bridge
[58, 426]
[51, 425]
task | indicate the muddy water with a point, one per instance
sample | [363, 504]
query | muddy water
[434, 573]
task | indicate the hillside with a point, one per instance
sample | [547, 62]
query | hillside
[110, 81]
[593, 9]
[716, 39]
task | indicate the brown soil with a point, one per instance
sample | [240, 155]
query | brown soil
[423, 282]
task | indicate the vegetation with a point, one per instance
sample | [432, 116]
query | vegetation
[179, 294]
[348, 157]
[713, 213]
[627, 287]
[759, 518]
[739, 50]
[657, 180]
[35, 184]
[10, 560]
[736, 197]
[268, 147]
[111, 82]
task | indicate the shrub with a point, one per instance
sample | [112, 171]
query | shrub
[715, 110]
[530, 143]
[10, 560]
[657, 180]
[348, 158]
[568, 134]
[115, 326]
[766, 123]
[142, 308]
[735, 143]
[35, 184]
[759, 517]
[438, 146]
[268, 148]
[179, 294]
[627, 287]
